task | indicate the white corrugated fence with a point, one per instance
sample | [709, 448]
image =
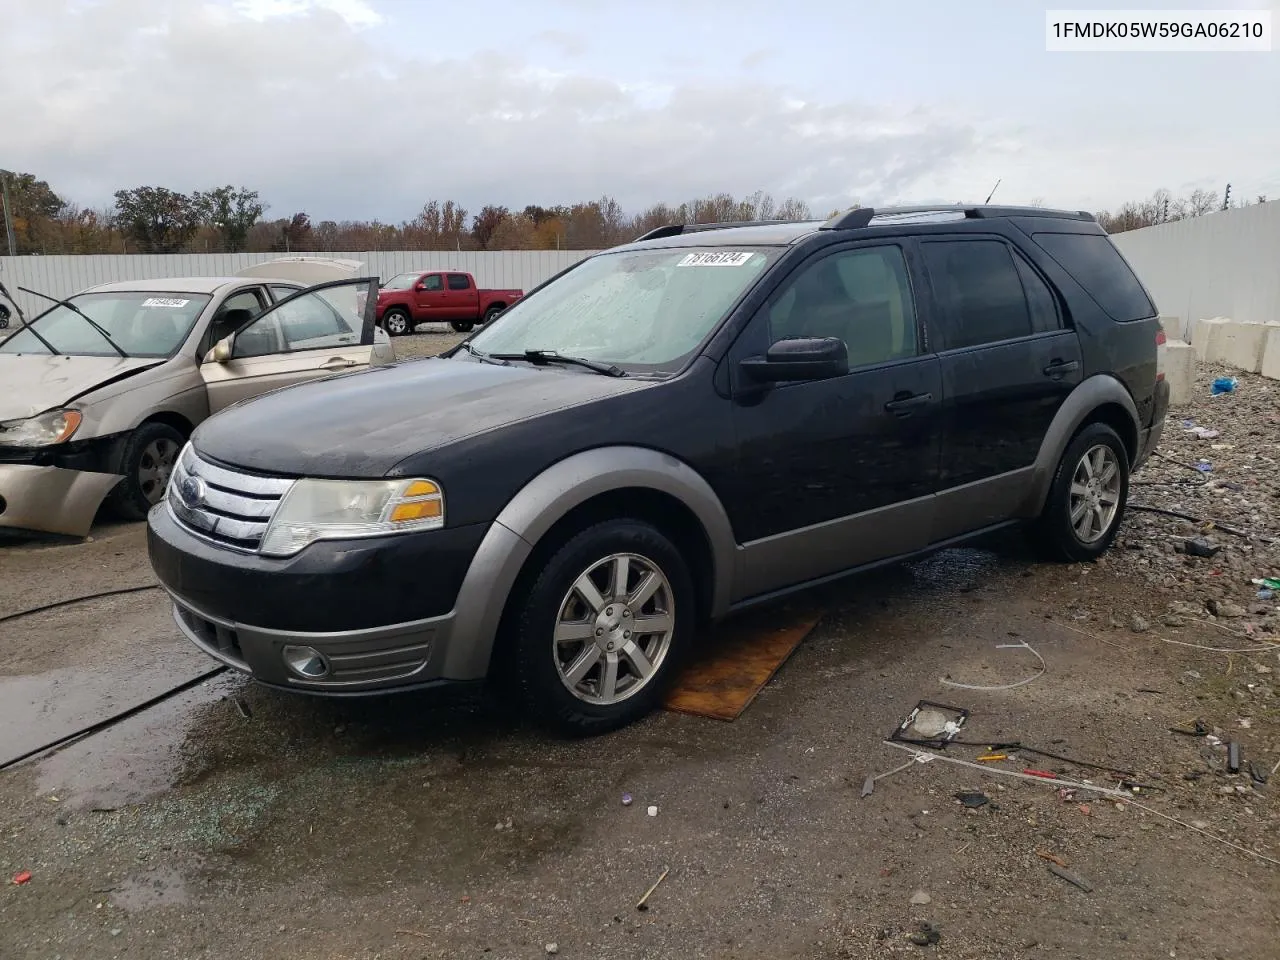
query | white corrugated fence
[61, 276]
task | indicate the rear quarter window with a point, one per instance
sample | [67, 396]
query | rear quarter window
[1096, 264]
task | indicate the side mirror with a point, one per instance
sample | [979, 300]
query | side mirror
[222, 349]
[802, 359]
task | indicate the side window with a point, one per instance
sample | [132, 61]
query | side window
[432, 282]
[244, 300]
[861, 296]
[281, 293]
[235, 311]
[980, 291]
[1040, 299]
[1095, 263]
[459, 281]
[323, 319]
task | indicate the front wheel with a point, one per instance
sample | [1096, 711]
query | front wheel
[601, 630]
[1086, 501]
[397, 323]
[146, 459]
[491, 314]
[462, 326]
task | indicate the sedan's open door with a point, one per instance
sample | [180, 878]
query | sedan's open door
[317, 332]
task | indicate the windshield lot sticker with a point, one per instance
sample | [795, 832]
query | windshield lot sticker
[716, 259]
[164, 302]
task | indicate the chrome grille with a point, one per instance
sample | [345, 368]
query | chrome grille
[226, 506]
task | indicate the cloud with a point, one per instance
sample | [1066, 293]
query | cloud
[562, 42]
[295, 98]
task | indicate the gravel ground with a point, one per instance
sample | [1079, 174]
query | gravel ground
[236, 821]
[428, 340]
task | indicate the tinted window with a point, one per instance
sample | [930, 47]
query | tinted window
[1040, 299]
[862, 297]
[244, 300]
[980, 291]
[459, 281]
[432, 282]
[1097, 266]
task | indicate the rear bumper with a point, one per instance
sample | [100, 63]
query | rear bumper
[45, 499]
[1150, 437]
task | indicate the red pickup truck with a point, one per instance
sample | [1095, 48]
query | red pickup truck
[408, 299]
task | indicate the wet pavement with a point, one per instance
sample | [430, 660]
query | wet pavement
[234, 820]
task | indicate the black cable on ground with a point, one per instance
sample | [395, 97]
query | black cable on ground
[88, 596]
[110, 721]
[1143, 508]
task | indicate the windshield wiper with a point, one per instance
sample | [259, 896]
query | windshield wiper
[74, 309]
[26, 326]
[552, 356]
[484, 357]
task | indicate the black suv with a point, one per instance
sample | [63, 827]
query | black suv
[704, 419]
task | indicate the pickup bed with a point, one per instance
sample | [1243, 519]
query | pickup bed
[408, 299]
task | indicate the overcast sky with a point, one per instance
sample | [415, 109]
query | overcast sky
[368, 108]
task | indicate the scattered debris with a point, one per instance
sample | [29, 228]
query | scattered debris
[1020, 645]
[920, 899]
[23, 877]
[652, 811]
[1044, 774]
[926, 936]
[1203, 433]
[552, 949]
[1200, 547]
[869, 784]
[1224, 385]
[972, 798]
[1051, 857]
[931, 725]
[1233, 757]
[1139, 624]
[991, 757]
[1257, 773]
[243, 708]
[1072, 878]
[626, 799]
[1225, 609]
[642, 904]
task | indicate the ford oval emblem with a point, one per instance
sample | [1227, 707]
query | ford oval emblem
[191, 490]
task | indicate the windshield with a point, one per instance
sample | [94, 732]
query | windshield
[143, 323]
[646, 311]
[401, 281]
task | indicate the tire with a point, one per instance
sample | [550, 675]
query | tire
[491, 314]
[397, 323]
[463, 326]
[1077, 484]
[146, 459]
[541, 669]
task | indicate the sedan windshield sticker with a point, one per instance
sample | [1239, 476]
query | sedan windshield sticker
[719, 258]
[164, 302]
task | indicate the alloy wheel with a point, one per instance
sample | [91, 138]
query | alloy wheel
[154, 467]
[1095, 493]
[614, 629]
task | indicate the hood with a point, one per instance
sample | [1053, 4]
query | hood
[363, 424]
[33, 383]
[308, 270]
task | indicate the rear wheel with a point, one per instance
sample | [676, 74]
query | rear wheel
[397, 323]
[492, 314]
[146, 459]
[599, 633]
[1086, 501]
[462, 326]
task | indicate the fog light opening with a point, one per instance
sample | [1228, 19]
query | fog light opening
[307, 662]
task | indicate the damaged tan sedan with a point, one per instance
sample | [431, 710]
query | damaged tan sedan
[99, 393]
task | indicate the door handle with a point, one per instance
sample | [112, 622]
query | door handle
[1057, 368]
[904, 406]
[337, 363]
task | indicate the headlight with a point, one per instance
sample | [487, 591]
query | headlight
[341, 509]
[54, 426]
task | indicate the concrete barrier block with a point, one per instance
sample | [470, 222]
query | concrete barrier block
[1271, 353]
[1179, 370]
[1204, 338]
[1240, 345]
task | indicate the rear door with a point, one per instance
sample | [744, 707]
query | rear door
[1008, 362]
[430, 299]
[464, 299]
[317, 332]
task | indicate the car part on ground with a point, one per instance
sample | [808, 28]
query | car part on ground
[678, 428]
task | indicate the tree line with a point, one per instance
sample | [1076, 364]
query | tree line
[231, 219]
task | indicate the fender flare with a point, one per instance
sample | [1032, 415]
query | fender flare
[1097, 391]
[540, 504]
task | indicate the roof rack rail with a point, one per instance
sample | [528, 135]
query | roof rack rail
[863, 216]
[675, 229]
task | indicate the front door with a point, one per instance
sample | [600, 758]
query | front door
[430, 299]
[320, 331]
[1008, 363]
[833, 474]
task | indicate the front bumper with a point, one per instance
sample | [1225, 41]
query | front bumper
[48, 499]
[380, 611]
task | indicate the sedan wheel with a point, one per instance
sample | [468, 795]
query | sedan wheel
[155, 465]
[1095, 493]
[614, 629]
